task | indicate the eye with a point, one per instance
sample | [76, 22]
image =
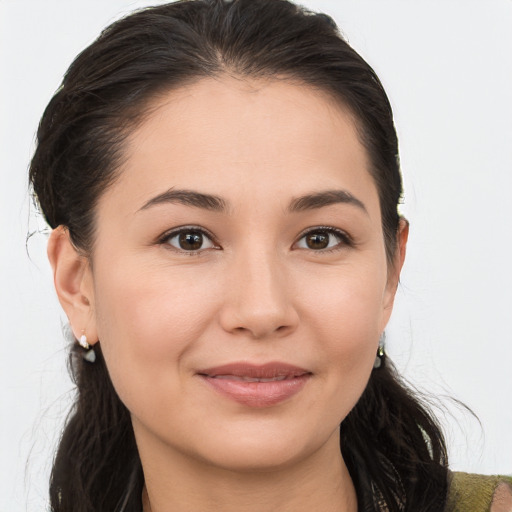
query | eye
[320, 239]
[189, 240]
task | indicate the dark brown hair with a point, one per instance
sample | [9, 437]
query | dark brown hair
[393, 447]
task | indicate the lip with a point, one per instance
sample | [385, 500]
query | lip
[254, 385]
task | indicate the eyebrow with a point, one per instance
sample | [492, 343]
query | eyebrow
[188, 198]
[218, 204]
[325, 198]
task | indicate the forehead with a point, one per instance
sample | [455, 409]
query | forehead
[235, 137]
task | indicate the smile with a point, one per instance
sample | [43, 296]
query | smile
[256, 385]
[251, 379]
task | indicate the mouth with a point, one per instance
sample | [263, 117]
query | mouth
[256, 385]
[250, 379]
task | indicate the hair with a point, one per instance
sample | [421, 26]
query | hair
[390, 441]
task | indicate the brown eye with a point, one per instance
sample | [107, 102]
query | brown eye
[318, 240]
[190, 240]
[321, 239]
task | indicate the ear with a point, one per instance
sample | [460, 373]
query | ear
[396, 266]
[73, 283]
[403, 236]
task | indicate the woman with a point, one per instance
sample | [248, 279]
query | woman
[222, 179]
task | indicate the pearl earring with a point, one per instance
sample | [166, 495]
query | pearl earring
[380, 352]
[89, 355]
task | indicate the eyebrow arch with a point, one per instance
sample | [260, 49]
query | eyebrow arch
[324, 198]
[188, 198]
[216, 203]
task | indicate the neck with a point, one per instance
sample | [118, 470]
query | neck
[319, 482]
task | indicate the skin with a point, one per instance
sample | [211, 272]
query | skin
[502, 499]
[257, 292]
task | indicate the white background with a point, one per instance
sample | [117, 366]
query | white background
[447, 67]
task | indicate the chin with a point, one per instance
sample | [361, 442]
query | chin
[254, 459]
[262, 451]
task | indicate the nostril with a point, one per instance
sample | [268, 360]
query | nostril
[258, 318]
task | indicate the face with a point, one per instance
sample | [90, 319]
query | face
[239, 282]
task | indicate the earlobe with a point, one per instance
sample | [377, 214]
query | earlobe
[73, 284]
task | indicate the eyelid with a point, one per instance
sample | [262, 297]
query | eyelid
[346, 239]
[165, 237]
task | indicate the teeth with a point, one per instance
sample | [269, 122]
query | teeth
[281, 377]
[250, 379]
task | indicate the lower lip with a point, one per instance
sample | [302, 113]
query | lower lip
[258, 394]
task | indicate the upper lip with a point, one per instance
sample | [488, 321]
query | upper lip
[256, 371]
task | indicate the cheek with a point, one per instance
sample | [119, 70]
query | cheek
[347, 304]
[147, 321]
[344, 315]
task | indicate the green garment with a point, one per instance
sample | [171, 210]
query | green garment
[472, 493]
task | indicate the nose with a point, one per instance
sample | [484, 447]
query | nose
[258, 301]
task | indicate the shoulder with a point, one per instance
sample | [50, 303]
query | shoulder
[469, 492]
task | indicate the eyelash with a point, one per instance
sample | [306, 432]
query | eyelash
[344, 239]
[166, 237]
